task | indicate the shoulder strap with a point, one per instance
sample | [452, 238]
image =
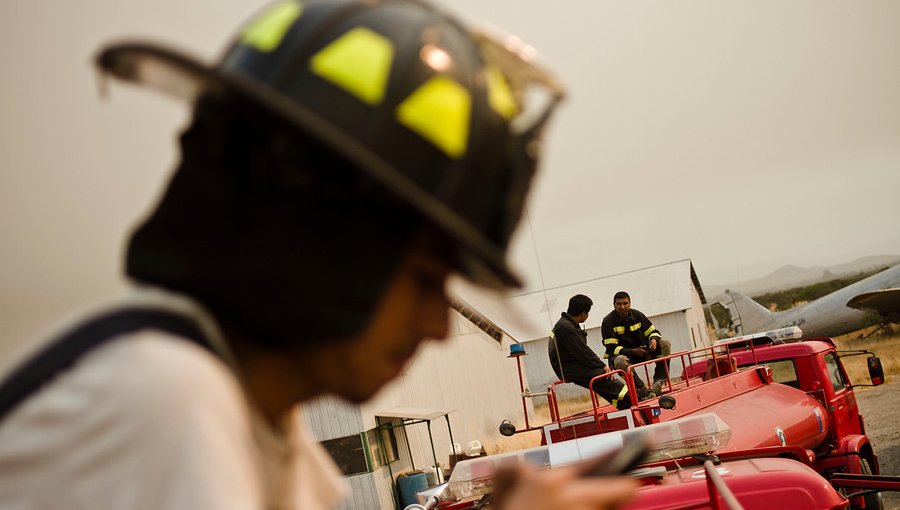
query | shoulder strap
[63, 352]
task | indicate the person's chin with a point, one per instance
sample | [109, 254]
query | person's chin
[362, 394]
[358, 398]
[364, 390]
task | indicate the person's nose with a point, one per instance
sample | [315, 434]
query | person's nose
[434, 318]
[435, 323]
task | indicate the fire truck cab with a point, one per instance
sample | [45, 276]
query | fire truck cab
[815, 366]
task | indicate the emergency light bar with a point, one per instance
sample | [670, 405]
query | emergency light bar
[691, 435]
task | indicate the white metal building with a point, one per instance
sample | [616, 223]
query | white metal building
[465, 381]
[669, 295]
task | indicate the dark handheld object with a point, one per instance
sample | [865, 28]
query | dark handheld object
[619, 461]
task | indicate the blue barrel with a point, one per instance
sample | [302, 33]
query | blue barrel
[409, 484]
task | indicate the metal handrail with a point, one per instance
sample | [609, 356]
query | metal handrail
[554, 402]
[686, 358]
[717, 488]
[595, 400]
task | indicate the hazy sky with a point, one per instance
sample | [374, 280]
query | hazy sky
[738, 134]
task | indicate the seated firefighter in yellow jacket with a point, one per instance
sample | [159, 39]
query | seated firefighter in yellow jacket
[630, 337]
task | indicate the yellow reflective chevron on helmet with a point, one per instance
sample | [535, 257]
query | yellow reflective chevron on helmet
[439, 111]
[358, 62]
[266, 31]
[500, 96]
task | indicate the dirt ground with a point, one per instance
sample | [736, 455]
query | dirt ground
[881, 408]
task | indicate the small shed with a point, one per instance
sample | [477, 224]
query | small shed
[669, 294]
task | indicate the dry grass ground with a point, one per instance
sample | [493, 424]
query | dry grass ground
[886, 347]
[540, 417]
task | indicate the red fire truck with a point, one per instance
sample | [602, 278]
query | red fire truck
[763, 421]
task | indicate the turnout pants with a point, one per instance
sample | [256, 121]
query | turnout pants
[663, 349]
[610, 389]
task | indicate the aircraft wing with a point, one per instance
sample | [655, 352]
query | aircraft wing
[885, 302]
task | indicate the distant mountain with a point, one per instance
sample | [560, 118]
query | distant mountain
[791, 276]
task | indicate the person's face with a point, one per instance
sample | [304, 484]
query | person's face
[414, 307]
[622, 306]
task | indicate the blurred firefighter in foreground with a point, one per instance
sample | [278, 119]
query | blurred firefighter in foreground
[343, 159]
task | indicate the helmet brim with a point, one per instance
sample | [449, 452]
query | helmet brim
[186, 78]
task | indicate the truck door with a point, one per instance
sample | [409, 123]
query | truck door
[843, 409]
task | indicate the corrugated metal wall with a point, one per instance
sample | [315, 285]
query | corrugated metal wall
[360, 495]
[330, 417]
[469, 373]
[697, 321]
[674, 328]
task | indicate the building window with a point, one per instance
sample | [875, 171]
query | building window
[382, 446]
[348, 454]
[364, 452]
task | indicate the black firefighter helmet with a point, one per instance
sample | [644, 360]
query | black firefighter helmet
[445, 118]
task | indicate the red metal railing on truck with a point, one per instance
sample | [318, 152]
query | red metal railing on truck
[719, 362]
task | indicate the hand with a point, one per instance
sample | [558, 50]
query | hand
[640, 352]
[563, 488]
[652, 344]
[606, 370]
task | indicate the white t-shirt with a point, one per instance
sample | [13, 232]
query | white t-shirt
[152, 421]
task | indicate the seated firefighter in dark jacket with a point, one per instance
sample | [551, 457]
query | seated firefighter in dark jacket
[631, 338]
[575, 362]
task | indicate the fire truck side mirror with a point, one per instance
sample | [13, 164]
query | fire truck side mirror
[876, 370]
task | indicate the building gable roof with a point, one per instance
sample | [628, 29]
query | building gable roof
[654, 291]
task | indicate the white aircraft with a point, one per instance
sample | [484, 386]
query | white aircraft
[840, 312]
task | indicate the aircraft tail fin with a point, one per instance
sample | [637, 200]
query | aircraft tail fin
[747, 316]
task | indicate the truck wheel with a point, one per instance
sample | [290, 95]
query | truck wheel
[873, 501]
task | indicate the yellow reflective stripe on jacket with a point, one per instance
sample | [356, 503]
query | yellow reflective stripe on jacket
[617, 350]
[655, 335]
[619, 329]
[622, 395]
[634, 327]
[651, 329]
[610, 341]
